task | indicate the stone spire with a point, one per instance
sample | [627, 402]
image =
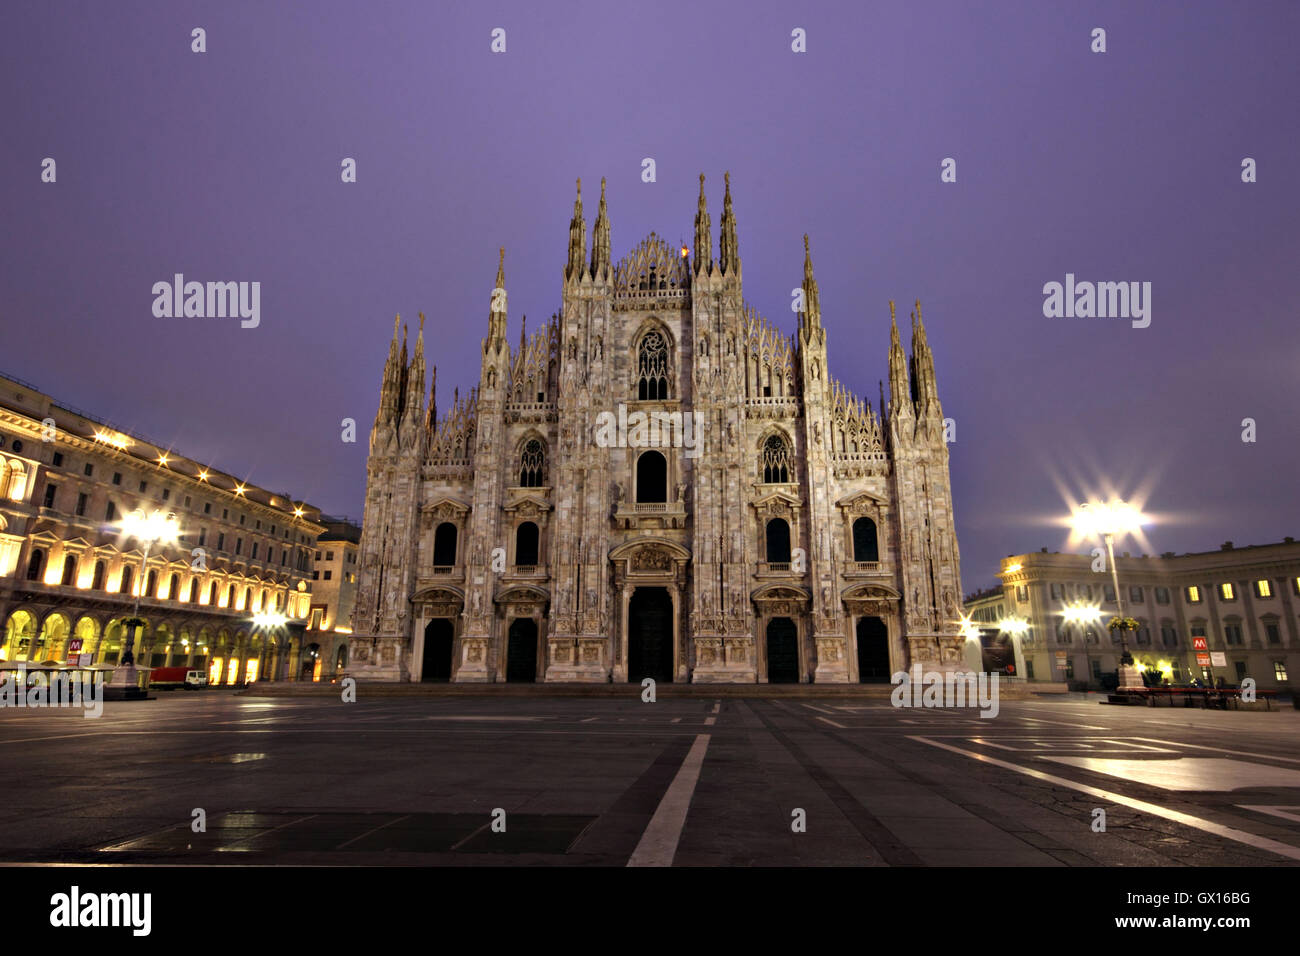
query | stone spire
[810, 319]
[414, 385]
[577, 239]
[496, 339]
[431, 414]
[728, 250]
[927, 395]
[900, 390]
[600, 264]
[703, 232]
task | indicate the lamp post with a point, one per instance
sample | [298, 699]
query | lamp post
[1107, 519]
[147, 529]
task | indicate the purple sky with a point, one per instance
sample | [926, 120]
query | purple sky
[1115, 166]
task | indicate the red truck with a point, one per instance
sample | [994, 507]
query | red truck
[170, 678]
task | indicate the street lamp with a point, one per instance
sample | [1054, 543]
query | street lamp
[156, 528]
[1106, 519]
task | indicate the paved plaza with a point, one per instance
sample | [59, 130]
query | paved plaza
[613, 782]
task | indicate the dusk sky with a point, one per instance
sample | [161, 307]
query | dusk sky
[1117, 166]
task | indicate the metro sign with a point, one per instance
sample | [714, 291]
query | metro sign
[1200, 644]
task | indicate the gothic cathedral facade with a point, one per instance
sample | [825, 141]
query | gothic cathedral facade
[657, 483]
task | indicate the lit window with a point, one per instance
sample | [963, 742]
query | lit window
[1279, 671]
[1193, 594]
[1227, 592]
[1263, 588]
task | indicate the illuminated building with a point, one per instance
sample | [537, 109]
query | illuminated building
[538, 530]
[69, 574]
[1241, 602]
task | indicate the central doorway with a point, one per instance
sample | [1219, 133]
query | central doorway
[650, 636]
[873, 651]
[438, 635]
[521, 651]
[782, 651]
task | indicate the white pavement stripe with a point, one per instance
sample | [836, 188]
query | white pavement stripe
[658, 844]
[833, 723]
[1225, 750]
[820, 710]
[1177, 816]
[710, 721]
[1063, 723]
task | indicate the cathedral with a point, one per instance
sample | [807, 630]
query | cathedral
[657, 484]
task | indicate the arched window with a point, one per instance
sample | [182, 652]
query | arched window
[444, 545]
[248, 599]
[69, 570]
[127, 575]
[230, 597]
[526, 538]
[34, 564]
[865, 546]
[194, 590]
[651, 477]
[151, 584]
[212, 594]
[265, 596]
[652, 367]
[532, 465]
[174, 588]
[776, 460]
[778, 541]
[97, 581]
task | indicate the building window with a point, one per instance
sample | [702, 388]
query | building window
[69, 571]
[239, 546]
[651, 477]
[865, 544]
[88, 470]
[174, 588]
[1055, 590]
[1241, 669]
[58, 459]
[1272, 633]
[1109, 593]
[241, 520]
[1135, 595]
[97, 581]
[1144, 636]
[194, 591]
[143, 486]
[253, 555]
[1263, 588]
[526, 541]
[81, 504]
[1193, 594]
[110, 513]
[1227, 591]
[203, 536]
[652, 367]
[167, 493]
[1232, 634]
[1096, 670]
[50, 491]
[187, 501]
[125, 586]
[221, 541]
[776, 460]
[318, 557]
[151, 584]
[532, 464]
[270, 554]
[207, 507]
[1063, 634]
[1279, 671]
[777, 534]
[212, 594]
[329, 574]
[444, 545]
[1090, 636]
[225, 514]
[117, 477]
[1162, 595]
[315, 575]
[1022, 593]
[1168, 637]
[329, 555]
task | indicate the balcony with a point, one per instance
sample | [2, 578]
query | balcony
[634, 515]
[862, 569]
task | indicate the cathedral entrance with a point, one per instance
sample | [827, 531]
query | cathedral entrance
[438, 635]
[521, 651]
[782, 651]
[650, 636]
[873, 651]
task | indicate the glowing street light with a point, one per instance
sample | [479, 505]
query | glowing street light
[149, 529]
[1106, 519]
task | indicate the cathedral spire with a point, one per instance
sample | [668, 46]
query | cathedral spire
[431, 415]
[388, 398]
[922, 365]
[496, 339]
[728, 250]
[900, 390]
[810, 318]
[703, 232]
[577, 239]
[600, 240]
[415, 381]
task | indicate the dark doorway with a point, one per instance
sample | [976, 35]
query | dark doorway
[650, 636]
[865, 547]
[437, 650]
[521, 651]
[782, 651]
[526, 539]
[873, 651]
[778, 541]
[444, 545]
